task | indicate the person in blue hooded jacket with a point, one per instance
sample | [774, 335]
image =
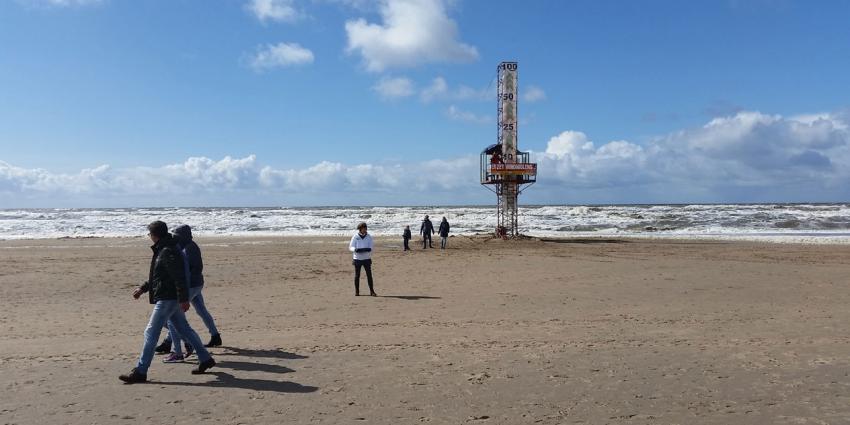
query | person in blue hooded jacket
[194, 266]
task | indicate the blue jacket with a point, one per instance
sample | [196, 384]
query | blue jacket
[192, 254]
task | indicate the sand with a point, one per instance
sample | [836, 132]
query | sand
[486, 332]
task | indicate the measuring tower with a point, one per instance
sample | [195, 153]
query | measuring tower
[504, 169]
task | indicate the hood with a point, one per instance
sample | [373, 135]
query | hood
[184, 232]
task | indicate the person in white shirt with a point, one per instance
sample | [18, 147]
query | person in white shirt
[361, 246]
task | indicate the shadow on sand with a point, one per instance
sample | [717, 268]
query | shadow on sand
[410, 297]
[272, 354]
[254, 367]
[226, 380]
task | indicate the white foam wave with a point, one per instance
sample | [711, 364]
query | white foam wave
[801, 223]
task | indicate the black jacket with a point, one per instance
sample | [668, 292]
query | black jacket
[166, 280]
[427, 227]
[406, 234]
[444, 229]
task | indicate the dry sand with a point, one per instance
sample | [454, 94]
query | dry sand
[487, 332]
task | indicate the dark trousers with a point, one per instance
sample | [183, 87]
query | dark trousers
[366, 264]
[426, 241]
[406, 246]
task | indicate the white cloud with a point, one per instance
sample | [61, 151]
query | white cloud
[280, 55]
[747, 157]
[273, 10]
[440, 90]
[392, 88]
[455, 113]
[533, 94]
[413, 32]
[748, 154]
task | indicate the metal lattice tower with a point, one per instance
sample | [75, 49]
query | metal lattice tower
[503, 167]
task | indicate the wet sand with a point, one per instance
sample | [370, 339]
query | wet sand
[486, 332]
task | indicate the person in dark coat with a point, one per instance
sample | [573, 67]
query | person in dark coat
[444, 233]
[406, 235]
[195, 264]
[168, 291]
[426, 230]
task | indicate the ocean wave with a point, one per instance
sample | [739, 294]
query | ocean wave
[799, 222]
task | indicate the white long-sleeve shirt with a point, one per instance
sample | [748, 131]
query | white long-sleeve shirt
[358, 242]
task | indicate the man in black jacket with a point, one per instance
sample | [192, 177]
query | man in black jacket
[426, 230]
[168, 291]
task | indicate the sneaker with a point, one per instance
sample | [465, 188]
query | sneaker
[174, 358]
[189, 349]
[134, 377]
[203, 367]
[215, 341]
[165, 347]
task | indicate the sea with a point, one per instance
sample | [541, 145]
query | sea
[791, 223]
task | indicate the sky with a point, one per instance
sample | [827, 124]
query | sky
[114, 103]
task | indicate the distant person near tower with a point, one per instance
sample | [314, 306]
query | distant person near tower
[426, 230]
[406, 236]
[361, 245]
[444, 233]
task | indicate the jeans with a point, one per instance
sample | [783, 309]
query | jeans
[197, 300]
[406, 246]
[443, 240]
[164, 311]
[426, 241]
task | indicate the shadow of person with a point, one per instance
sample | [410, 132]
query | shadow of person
[226, 380]
[273, 354]
[253, 367]
[410, 297]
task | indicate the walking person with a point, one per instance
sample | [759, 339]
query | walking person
[361, 245]
[195, 264]
[406, 235]
[426, 230]
[168, 291]
[444, 233]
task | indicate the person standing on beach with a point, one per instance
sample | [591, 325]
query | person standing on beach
[361, 245]
[192, 253]
[426, 230]
[406, 235]
[444, 233]
[168, 291]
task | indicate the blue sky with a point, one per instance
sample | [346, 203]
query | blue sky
[338, 102]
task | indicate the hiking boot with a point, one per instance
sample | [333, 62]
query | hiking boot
[174, 358]
[134, 377]
[204, 366]
[215, 341]
[165, 347]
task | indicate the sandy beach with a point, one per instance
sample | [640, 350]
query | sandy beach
[487, 332]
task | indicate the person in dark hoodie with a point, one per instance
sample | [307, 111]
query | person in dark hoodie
[168, 291]
[426, 230]
[406, 236]
[444, 233]
[195, 265]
